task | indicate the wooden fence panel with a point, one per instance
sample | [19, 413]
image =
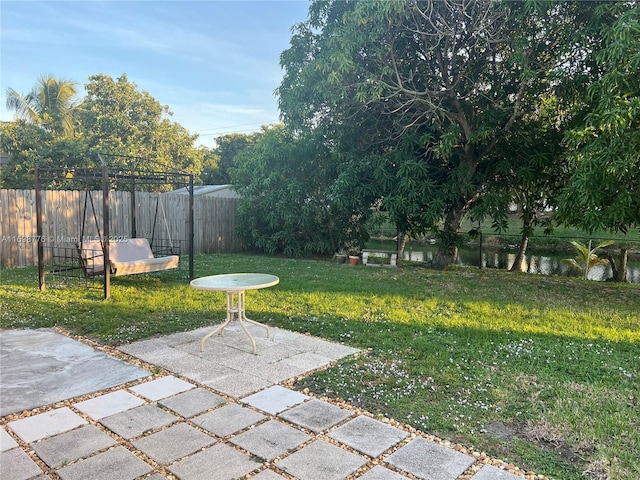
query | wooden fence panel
[63, 213]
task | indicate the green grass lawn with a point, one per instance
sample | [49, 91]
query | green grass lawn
[543, 372]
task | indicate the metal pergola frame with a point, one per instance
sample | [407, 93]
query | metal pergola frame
[107, 178]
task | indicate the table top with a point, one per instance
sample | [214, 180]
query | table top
[235, 281]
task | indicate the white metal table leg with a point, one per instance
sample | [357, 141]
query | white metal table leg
[236, 306]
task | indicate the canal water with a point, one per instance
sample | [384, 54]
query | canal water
[537, 263]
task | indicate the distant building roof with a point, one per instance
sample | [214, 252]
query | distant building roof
[226, 191]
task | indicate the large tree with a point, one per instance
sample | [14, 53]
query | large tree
[51, 104]
[294, 196]
[529, 168]
[604, 192]
[446, 80]
[27, 146]
[119, 119]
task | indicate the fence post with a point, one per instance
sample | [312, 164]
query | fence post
[39, 232]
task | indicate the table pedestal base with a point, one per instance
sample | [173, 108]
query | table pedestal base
[235, 311]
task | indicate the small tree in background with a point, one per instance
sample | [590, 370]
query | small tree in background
[586, 257]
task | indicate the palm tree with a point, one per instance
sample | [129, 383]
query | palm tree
[586, 258]
[50, 104]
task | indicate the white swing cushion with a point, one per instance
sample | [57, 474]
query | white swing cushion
[127, 257]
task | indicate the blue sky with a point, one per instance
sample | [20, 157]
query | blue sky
[215, 63]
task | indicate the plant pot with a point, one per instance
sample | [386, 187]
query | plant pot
[340, 258]
[354, 259]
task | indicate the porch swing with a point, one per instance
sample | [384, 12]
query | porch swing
[127, 256]
[103, 254]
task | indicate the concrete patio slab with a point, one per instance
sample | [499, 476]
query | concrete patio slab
[321, 460]
[275, 399]
[219, 462]
[162, 388]
[41, 367]
[6, 441]
[489, 472]
[46, 424]
[238, 384]
[71, 446]
[133, 423]
[316, 415]
[224, 364]
[109, 404]
[381, 473]
[228, 419]
[192, 402]
[17, 465]
[268, 475]
[116, 464]
[270, 440]
[443, 463]
[163, 447]
[368, 436]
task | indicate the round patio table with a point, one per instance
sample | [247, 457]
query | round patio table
[235, 284]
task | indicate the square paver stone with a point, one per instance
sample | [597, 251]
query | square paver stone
[308, 361]
[270, 440]
[133, 423]
[117, 463]
[192, 402]
[429, 461]
[219, 462]
[109, 404]
[275, 399]
[367, 435]
[46, 424]
[316, 415]
[229, 419]
[267, 475]
[162, 388]
[70, 446]
[16, 465]
[322, 460]
[6, 441]
[237, 384]
[173, 443]
[489, 472]
[381, 473]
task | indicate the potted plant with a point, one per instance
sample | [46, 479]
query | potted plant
[354, 255]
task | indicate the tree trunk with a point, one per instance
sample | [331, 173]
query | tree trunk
[519, 265]
[619, 271]
[448, 248]
[401, 242]
[527, 221]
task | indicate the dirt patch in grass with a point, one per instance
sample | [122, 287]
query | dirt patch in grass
[548, 438]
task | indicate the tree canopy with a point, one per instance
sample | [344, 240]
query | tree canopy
[114, 118]
[443, 94]
[222, 158]
[292, 199]
[439, 84]
[604, 191]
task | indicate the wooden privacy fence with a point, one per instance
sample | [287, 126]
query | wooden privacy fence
[63, 212]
